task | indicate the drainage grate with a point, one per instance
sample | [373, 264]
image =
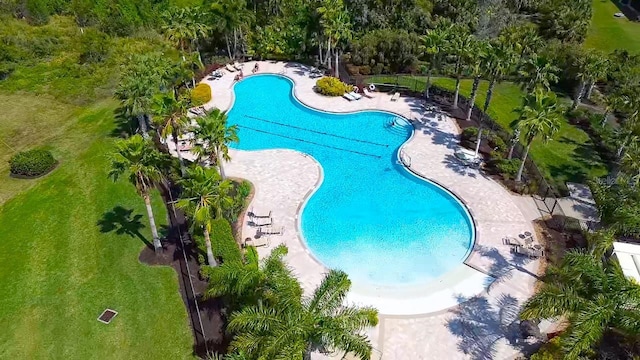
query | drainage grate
[107, 315]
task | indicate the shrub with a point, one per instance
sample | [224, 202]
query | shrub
[32, 163]
[201, 94]
[224, 244]
[331, 86]
[508, 168]
[496, 142]
[469, 134]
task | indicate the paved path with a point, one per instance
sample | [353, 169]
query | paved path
[484, 325]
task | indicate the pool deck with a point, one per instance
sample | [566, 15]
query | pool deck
[472, 312]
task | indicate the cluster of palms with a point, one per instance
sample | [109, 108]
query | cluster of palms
[272, 319]
[205, 193]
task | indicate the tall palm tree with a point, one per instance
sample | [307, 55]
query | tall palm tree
[296, 326]
[139, 160]
[336, 27]
[184, 26]
[593, 296]
[171, 118]
[460, 47]
[431, 46]
[204, 197]
[214, 136]
[477, 68]
[592, 66]
[538, 71]
[500, 61]
[601, 242]
[540, 115]
[231, 17]
[141, 79]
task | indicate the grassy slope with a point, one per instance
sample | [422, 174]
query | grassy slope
[58, 271]
[569, 157]
[609, 33]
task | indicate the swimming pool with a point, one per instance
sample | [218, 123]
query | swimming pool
[370, 216]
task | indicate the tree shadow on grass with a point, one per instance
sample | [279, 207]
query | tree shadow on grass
[123, 222]
[125, 125]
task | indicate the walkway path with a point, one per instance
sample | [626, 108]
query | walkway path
[485, 326]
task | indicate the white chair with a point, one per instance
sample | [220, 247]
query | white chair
[368, 94]
[395, 96]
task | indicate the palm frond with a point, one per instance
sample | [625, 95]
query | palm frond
[330, 294]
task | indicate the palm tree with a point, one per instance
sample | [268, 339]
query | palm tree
[593, 296]
[591, 66]
[171, 118]
[137, 158]
[431, 46]
[600, 242]
[250, 281]
[500, 61]
[539, 116]
[538, 71]
[477, 68]
[204, 197]
[142, 78]
[214, 136]
[336, 27]
[184, 26]
[460, 47]
[231, 16]
[296, 326]
[631, 161]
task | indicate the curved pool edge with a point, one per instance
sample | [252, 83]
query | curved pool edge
[408, 169]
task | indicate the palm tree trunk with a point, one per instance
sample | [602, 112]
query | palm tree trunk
[604, 117]
[487, 101]
[180, 159]
[320, 51]
[592, 84]
[457, 93]
[226, 37]
[152, 223]
[426, 89]
[578, 97]
[479, 140]
[524, 160]
[220, 167]
[474, 92]
[328, 54]
[510, 155]
[235, 42]
[143, 125]
[207, 240]
[336, 70]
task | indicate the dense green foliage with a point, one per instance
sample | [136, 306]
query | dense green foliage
[201, 94]
[331, 86]
[385, 51]
[594, 297]
[224, 244]
[32, 163]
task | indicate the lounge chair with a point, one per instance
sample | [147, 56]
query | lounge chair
[261, 222]
[230, 68]
[508, 240]
[348, 96]
[270, 230]
[355, 95]
[252, 214]
[367, 93]
[260, 241]
[395, 96]
[529, 252]
[238, 66]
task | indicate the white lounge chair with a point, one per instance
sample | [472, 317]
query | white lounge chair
[395, 96]
[355, 95]
[367, 93]
[508, 240]
[261, 241]
[238, 66]
[348, 96]
[529, 252]
[230, 68]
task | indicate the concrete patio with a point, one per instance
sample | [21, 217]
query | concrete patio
[470, 313]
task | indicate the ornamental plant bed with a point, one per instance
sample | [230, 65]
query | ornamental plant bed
[20, 176]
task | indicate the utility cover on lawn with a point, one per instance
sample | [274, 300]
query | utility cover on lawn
[107, 315]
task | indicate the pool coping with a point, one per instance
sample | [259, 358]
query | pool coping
[409, 170]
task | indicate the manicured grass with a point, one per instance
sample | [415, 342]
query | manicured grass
[58, 269]
[609, 33]
[569, 157]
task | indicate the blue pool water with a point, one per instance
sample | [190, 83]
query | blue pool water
[370, 217]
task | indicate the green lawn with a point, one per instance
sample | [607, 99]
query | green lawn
[58, 270]
[609, 33]
[569, 157]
